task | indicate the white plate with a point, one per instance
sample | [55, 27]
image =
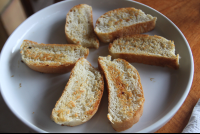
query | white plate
[33, 101]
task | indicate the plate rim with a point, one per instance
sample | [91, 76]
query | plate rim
[175, 109]
[150, 128]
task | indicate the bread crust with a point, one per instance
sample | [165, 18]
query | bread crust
[74, 40]
[171, 62]
[91, 112]
[128, 123]
[52, 68]
[125, 30]
[148, 59]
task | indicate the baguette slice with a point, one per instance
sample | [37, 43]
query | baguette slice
[125, 92]
[123, 21]
[51, 58]
[79, 27]
[146, 49]
[81, 97]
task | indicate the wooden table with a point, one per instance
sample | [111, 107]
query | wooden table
[186, 15]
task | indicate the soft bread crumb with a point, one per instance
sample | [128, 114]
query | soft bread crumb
[144, 44]
[125, 90]
[118, 18]
[79, 27]
[51, 54]
[123, 21]
[81, 96]
[51, 58]
[153, 50]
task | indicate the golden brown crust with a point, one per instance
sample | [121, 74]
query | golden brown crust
[126, 30]
[96, 104]
[73, 40]
[54, 67]
[148, 59]
[125, 124]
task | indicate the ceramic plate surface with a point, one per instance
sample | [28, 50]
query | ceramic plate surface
[31, 96]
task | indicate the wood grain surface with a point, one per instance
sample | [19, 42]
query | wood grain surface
[186, 15]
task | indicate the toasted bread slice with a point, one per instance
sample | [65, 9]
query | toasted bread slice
[125, 92]
[121, 22]
[81, 97]
[51, 58]
[79, 27]
[146, 49]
